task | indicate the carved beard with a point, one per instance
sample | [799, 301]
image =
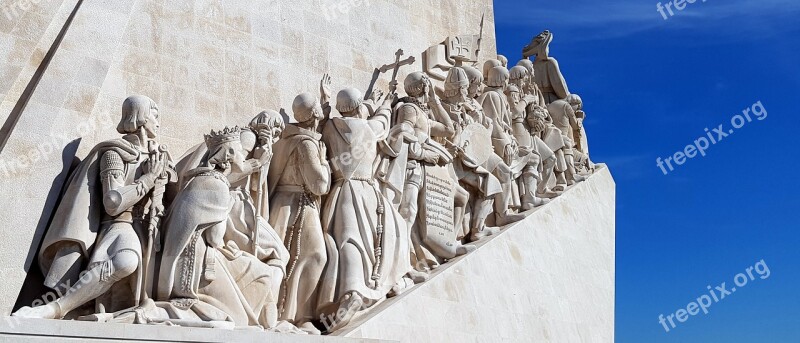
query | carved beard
[538, 126]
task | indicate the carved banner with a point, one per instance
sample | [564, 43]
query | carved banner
[439, 231]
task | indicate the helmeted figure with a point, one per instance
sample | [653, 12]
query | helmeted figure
[495, 105]
[418, 120]
[299, 175]
[109, 219]
[483, 176]
[367, 239]
[547, 72]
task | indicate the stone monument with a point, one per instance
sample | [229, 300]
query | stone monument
[316, 216]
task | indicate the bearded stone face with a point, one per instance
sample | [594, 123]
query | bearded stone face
[538, 120]
[475, 88]
[464, 94]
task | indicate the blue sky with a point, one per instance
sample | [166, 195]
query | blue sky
[651, 87]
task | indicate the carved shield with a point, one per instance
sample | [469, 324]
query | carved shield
[476, 141]
[463, 48]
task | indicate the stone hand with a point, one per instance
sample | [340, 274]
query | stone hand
[323, 152]
[156, 166]
[215, 236]
[325, 88]
[431, 90]
[468, 108]
[431, 157]
[266, 155]
[264, 137]
[377, 96]
[389, 99]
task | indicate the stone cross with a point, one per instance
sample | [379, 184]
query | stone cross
[396, 68]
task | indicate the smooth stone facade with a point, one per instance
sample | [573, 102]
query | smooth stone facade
[218, 66]
[548, 278]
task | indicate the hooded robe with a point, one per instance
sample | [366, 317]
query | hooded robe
[358, 218]
[200, 282]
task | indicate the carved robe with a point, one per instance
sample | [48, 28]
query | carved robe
[298, 176]
[564, 119]
[495, 106]
[550, 80]
[206, 283]
[367, 239]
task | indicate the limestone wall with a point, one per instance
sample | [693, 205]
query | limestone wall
[548, 278]
[207, 63]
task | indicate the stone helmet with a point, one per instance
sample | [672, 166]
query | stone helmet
[414, 84]
[348, 100]
[498, 77]
[306, 107]
[487, 67]
[456, 79]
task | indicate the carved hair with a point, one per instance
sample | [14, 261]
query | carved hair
[488, 66]
[474, 75]
[498, 77]
[575, 100]
[135, 113]
[518, 72]
[267, 120]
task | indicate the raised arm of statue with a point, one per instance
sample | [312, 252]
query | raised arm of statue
[325, 94]
[442, 125]
[380, 121]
